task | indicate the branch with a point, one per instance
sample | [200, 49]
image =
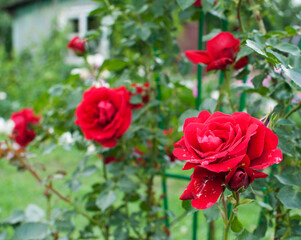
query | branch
[295, 109]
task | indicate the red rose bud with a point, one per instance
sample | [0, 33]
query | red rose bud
[77, 45]
[104, 114]
[22, 132]
[143, 91]
[110, 159]
[198, 3]
[221, 52]
[239, 180]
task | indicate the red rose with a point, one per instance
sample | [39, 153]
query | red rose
[143, 91]
[77, 45]
[198, 3]
[22, 132]
[221, 52]
[217, 146]
[104, 114]
[110, 159]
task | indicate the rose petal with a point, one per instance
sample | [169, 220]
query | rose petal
[268, 158]
[205, 191]
[270, 140]
[198, 57]
[241, 63]
[224, 166]
[219, 64]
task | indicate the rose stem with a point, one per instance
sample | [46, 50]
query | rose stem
[258, 17]
[236, 195]
[227, 88]
[65, 199]
[292, 111]
[239, 16]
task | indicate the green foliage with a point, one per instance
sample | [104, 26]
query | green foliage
[25, 77]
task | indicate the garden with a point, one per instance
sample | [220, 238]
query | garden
[189, 128]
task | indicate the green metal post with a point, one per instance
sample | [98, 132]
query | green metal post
[176, 176]
[164, 187]
[199, 73]
[195, 226]
[221, 75]
[242, 100]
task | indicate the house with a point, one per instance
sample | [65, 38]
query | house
[34, 20]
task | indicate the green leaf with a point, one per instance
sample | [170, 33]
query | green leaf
[187, 114]
[185, 3]
[113, 65]
[246, 201]
[257, 80]
[121, 234]
[282, 59]
[89, 170]
[290, 198]
[16, 217]
[31, 231]
[256, 47]
[293, 74]
[290, 179]
[143, 32]
[291, 31]
[212, 34]
[212, 213]
[265, 205]
[236, 225]
[209, 104]
[245, 235]
[126, 185]
[184, 67]
[207, 5]
[105, 200]
[186, 204]
[261, 227]
[244, 51]
[136, 99]
[287, 47]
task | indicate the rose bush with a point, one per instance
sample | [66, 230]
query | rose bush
[104, 114]
[217, 145]
[142, 90]
[221, 52]
[24, 120]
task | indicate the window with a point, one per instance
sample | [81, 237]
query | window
[73, 25]
[93, 23]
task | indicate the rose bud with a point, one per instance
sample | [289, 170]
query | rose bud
[239, 180]
[110, 159]
[77, 45]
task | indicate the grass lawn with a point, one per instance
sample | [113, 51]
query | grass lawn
[18, 190]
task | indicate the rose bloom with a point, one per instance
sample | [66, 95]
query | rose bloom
[221, 52]
[143, 91]
[104, 114]
[22, 132]
[77, 45]
[224, 150]
[198, 3]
